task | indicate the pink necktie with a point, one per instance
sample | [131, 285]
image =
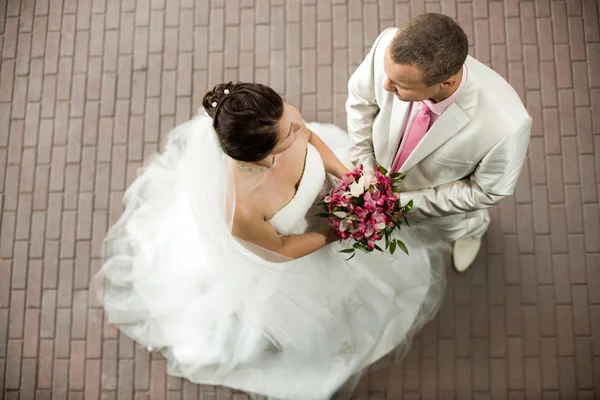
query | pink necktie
[418, 129]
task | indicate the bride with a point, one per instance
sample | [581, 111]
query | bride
[219, 263]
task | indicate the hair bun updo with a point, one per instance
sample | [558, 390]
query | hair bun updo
[246, 118]
[214, 97]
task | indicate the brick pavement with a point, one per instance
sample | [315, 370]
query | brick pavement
[88, 88]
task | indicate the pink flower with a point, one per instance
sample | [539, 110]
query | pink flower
[362, 207]
[361, 213]
[335, 223]
[370, 204]
[378, 220]
[357, 173]
[359, 232]
[337, 200]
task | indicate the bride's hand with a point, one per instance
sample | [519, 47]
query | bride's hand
[343, 172]
[330, 235]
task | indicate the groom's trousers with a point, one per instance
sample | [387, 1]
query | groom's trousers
[471, 225]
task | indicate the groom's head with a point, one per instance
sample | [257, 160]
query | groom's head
[424, 59]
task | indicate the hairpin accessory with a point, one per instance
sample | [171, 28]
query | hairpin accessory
[226, 91]
[214, 104]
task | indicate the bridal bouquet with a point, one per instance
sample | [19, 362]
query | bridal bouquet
[365, 209]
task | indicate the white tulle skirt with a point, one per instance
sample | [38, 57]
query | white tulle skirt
[175, 281]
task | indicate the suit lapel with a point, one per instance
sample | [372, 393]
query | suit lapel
[452, 120]
[397, 118]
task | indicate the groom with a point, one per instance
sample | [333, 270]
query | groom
[418, 104]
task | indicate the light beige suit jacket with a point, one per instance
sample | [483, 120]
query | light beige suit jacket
[470, 158]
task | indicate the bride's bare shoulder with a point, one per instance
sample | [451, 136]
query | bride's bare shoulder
[246, 219]
[250, 202]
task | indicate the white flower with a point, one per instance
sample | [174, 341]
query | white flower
[357, 189]
[366, 181]
[340, 214]
[343, 226]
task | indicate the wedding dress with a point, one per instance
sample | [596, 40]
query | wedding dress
[226, 312]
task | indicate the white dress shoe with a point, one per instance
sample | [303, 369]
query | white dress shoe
[464, 253]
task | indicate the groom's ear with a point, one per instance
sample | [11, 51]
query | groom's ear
[448, 83]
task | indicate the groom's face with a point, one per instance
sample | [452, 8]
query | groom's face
[404, 80]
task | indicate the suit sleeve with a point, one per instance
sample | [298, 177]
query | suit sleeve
[494, 178]
[361, 108]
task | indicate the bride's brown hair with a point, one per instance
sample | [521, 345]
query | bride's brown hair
[246, 117]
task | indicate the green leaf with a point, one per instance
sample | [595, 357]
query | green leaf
[382, 170]
[393, 248]
[387, 241]
[402, 246]
[351, 257]
[347, 251]
[323, 215]
[378, 248]
[406, 220]
[408, 206]
[361, 246]
[397, 176]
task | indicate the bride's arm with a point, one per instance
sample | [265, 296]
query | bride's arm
[250, 227]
